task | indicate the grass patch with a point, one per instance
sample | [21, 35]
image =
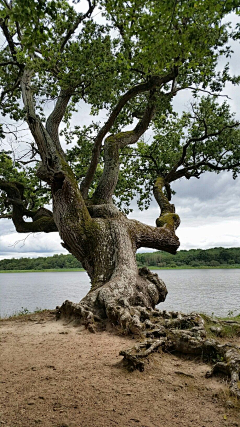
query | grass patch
[225, 327]
[231, 318]
[24, 312]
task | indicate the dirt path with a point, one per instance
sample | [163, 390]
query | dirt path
[60, 376]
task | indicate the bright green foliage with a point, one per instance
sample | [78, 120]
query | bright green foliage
[155, 36]
[159, 35]
[211, 134]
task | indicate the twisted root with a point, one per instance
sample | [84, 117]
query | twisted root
[186, 334]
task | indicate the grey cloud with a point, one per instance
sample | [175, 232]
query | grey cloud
[36, 244]
[6, 227]
[210, 189]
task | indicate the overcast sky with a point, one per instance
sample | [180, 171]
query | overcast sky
[209, 208]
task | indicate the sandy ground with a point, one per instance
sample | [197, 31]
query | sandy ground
[57, 375]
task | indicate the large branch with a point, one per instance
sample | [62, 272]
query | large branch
[42, 219]
[160, 238]
[153, 82]
[48, 149]
[195, 171]
[55, 118]
[163, 236]
[222, 168]
[69, 209]
[168, 218]
[112, 147]
[10, 41]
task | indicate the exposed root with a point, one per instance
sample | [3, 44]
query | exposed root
[185, 334]
[77, 313]
[230, 366]
[134, 355]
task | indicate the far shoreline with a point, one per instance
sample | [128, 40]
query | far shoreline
[150, 267]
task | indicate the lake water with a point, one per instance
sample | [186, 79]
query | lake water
[209, 291]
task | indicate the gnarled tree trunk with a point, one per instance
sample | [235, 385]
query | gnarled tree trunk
[93, 229]
[120, 292]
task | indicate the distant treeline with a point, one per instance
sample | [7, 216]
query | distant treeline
[41, 263]
[192, 258]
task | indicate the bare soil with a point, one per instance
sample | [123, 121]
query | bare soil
[57, 375]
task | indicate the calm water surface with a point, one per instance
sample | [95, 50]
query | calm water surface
[208, 291]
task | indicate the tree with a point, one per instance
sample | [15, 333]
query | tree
[131, 66]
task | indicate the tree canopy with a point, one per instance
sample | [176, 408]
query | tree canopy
[128, 65]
